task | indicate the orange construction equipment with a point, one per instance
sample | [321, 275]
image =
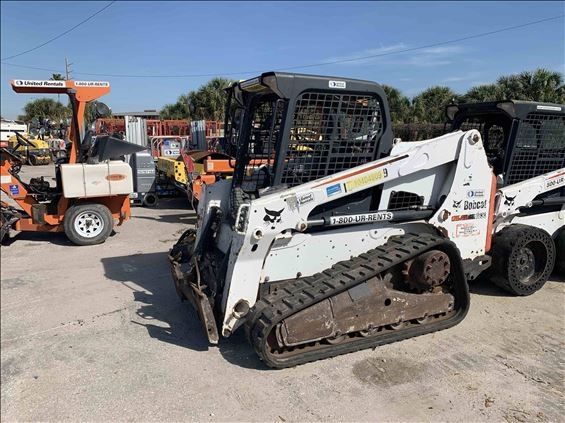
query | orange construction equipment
[205, 168]
[192, 169]
[88, 196]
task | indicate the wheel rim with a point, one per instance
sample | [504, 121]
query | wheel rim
[530, 262]
[150, 199]
[89, 224]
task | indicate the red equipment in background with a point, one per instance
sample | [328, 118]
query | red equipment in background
[155, 127]
[214, 129]
[158, 128]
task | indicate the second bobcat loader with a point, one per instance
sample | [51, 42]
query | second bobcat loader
[341, 240]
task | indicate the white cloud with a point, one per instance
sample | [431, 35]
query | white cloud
[462, 78]
[442, 50]
[455, 79]
[424, 61]
[427, 57]
[351, 59]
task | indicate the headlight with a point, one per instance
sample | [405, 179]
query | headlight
[241, 218]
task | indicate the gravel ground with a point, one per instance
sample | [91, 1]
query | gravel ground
[97, 333]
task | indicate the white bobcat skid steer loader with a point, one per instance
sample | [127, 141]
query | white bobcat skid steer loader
[329, 239]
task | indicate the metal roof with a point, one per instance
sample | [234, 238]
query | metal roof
[287, 85]
[512, 108]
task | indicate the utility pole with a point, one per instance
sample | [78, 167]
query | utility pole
[68, 70]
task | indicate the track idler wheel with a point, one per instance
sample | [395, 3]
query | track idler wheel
[427, 271]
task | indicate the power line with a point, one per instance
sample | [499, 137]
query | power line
[60, 35]
[389, 53]
[441, 43]
[35, 68]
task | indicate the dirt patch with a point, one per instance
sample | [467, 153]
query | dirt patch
[387, 372]
[28, 279]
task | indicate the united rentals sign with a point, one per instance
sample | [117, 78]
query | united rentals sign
[39, 84]
[28, 83]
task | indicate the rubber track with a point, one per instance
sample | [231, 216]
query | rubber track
[275, 307]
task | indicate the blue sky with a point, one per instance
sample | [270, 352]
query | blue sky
[164, 38]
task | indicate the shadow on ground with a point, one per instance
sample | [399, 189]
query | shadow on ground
[186, 217]
[184, 214]
[160, 310]
[237, 350]
[162, 313]
[57, 238]
[173, 203]
[484, 286]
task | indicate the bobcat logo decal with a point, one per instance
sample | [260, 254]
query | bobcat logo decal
[273, 216]
[456, 204]
[509, 201]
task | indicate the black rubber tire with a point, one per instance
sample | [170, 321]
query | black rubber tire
[150, 200]
[99, 210]
[513, 248]
[560, 247]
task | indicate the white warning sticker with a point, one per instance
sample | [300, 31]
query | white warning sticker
[360, 218]
[466, 229]
[551, 108]
[555, 181]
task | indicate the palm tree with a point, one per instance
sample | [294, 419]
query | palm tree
[57, 77]
[486, 92]
[539, 85]
[429, 106]
[398, 104]
[178, 110]
[46, 108]
[208, 102]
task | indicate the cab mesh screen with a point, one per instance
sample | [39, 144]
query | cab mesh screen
[259, 156]
[330, 133]
[493, 134]
[539, 147]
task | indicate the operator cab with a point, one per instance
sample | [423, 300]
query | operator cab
[522, 139]
[289, 129]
